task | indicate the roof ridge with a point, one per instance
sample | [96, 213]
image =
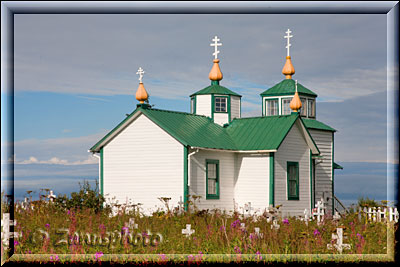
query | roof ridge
[262, 117]
[173, 111]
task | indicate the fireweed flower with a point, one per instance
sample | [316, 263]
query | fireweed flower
[222, 228]
[190, 257]
[16, 243]
[316, 232]
[98, 255]
[163, 257]
[258, 255]
[237, 250]
[47, 225]
[252, 236]
[285, 221]
[54, 258]
[235, 223]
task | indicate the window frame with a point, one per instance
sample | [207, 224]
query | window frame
[283, 106]
[215, 104]
[297, 195]
[266, 106]
[304, 107]
[312, 109]
[193, 103]
[216, 195]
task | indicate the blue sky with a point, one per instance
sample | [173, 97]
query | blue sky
[75, 79]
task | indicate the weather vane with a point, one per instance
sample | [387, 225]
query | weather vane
[216, 44]
[140, 72]
[288, 36]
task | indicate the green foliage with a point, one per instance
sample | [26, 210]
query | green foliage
[367, 202]
[5, 203]
[86, 198]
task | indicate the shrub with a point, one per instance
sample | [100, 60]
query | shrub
[367, 202]
[86, 198]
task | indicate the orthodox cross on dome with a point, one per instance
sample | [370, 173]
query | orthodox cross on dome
[296, 86]
[216, 44]
[140, 72]
[288, 36]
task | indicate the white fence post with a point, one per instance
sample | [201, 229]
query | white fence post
[5, 229]
[379, 214]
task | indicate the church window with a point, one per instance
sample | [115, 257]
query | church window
[293, 180]
[272, 107]
[221, 104]
[311, 108]
[212, 179]
[286, 106]
[303, 110]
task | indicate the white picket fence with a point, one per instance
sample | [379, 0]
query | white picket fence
[378, 214]
[372, 214]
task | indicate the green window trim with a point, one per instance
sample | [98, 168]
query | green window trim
[185, 177]
[101, 172]
[228, 106]
[282, 106]
[296, 165]
[226, 103]
[272, 179]
[193, 103]
[265, 106]
[216, 195]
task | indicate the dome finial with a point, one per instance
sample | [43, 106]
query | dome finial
[295, 104]
[288, 69]
[215, 73]
[141, 94]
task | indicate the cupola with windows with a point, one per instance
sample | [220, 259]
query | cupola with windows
[216, 101]
[276, 100]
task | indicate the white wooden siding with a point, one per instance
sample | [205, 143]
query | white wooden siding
[221, 118]
[252, 183]
[235, 107]
[197, 184]
[203, 105]
[143, 163]
[293, 148]
[323, 170]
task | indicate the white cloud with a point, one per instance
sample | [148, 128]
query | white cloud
[332, 54]
[57, 161]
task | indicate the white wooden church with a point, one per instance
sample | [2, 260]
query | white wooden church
[284, 157]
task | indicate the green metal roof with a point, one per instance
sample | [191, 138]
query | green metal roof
[215, 88]
[314, 124]
[287, 87]
[258, 133]
[337, 166]
[190, 129]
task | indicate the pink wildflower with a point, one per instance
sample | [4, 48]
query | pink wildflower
[316, 232]
[98, 255]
